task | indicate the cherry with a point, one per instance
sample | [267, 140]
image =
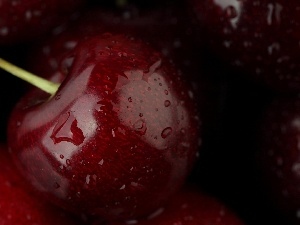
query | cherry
[25, 20]
[148, 24]
[260, 38]
[19, 205]
[279, 155]
[191, 206]
[118, 137]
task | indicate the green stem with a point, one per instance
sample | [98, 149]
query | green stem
[43, 84]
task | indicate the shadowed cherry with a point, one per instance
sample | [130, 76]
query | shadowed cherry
[122, 130]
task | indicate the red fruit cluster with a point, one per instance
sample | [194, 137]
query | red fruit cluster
[153, 118]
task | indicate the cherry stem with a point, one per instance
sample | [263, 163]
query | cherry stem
[43, 84]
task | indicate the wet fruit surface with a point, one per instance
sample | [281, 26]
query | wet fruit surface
[19, 205]
[121, 130]
[260, 38]
[121, 135]
[279, 155]
[26, 20]
[191, 207]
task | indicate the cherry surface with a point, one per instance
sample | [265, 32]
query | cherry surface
[121, 131]
[191, 206]
[259, 38]
[279, 155]
[27, 20]
[21, 206]
[146, 23]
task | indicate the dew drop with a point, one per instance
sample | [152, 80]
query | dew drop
[231, 12]
[67, 130]
[166, 132]
[87, 179]
[134, 184]
[101, 162]
[140, 126]
[167, 103]
[57, 97]
[56, 185]
[68, 161]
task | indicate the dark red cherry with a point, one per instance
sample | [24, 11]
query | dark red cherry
[279, 155]
[166, 28]
[118, 138]
[261, 38]
[25, 20]
[19, 205]
[190, 207]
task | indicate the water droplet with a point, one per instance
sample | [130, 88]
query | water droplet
[61, 156]
[67, 130]
[166, 132]
[102, 106]
[57, 97]
[231, 12]
[140, 126]
[68, 161]
[87, 179]
[296, 168]
[101, 162]
[166, 92]
[167, 103]
[56, 185]
[134, 184]
[4, 31]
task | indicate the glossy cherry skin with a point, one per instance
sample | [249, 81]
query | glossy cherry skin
[21, 206]
[261, 38]
[117, 139]
[190, 206]
[148, 24]
[279, 155]
[26, 20]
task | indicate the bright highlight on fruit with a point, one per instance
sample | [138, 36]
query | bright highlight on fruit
[121, 130]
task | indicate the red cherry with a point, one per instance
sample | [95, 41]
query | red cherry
[190, 207]
[19, 205]
[24, 20]
[259, 37]
[147, 24]
[279, 156]
[117, 139]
